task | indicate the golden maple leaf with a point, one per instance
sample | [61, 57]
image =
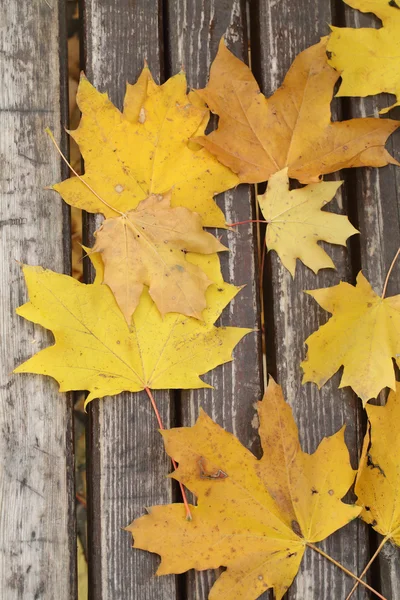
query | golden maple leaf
[147, 246]
[255, 517]
[368, 58]
[95, 350]
[296, 223]
[127, 158]
[362, 335]
[256, 136]
[378, 479]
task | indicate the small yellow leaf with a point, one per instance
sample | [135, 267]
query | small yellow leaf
[296, 222]
[145, 151]
[378, 479]
[368, 58]
[254, 517]
[95, 350]
[363, 335]
[147, 246]
[258, 136]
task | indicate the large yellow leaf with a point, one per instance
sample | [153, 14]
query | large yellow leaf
[296, 222]
[95, 350]
[369, 59]
[254, 517]
[363, 335]
[256, 136]
[127, 158]
[148, 246]
[378, 478]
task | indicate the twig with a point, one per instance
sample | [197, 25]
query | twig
[332, 560]
[379, 548]
[161, 426]
[389, 273]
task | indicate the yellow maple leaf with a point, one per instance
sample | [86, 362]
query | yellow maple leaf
[127, 158]
[378, 479]
[296, 223]
[95, 350]
[147, 246]
[362, 335]
[256, 136]
[255, 517]
[368, 58]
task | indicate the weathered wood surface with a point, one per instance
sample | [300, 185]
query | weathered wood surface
[195, 29]
[37, 529]
[128, 465]
[318, 413]
[376, 198]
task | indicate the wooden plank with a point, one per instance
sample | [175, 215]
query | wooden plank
[195, 29]
[279, 32]
[377, 206]
[37, 530]
[128, 465]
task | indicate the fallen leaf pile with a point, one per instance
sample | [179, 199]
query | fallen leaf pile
[148, 320]
[257, 516]
[368, 58]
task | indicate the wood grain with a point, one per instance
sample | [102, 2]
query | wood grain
[37, 528]
[376, 201]
[195, 29]
[128, 465]
[279, 32]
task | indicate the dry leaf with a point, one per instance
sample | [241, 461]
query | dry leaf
[148, 246]
[368, 58]
[127, 158]
[254, 517]
[296, 223]
[378, 478]
[95, 350]
[256, 136]
[363, 335]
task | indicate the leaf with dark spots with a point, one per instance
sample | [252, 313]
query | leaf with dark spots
[257, 519]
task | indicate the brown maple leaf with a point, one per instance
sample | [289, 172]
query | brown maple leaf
[148, 246]
[256, 136]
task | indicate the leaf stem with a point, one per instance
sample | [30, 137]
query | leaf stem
[51, 136]
[332, 560]
[367, 566]
[161, 426]
[245, 222]
[389, 273]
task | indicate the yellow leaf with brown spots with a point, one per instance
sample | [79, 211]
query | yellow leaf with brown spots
[378, 478]
[146, 150]
[258, 136]
[148, 246]
[95, 350]
[254, 517]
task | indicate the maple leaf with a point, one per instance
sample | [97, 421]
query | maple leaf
[362, 336]
[147, 246]
[127, 158]
[378, 479]
[254, 517]
[256, 136]
[95, 350]
[367, 58]
[296, 224]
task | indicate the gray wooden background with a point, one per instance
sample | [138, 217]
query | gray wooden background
[127, 463]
